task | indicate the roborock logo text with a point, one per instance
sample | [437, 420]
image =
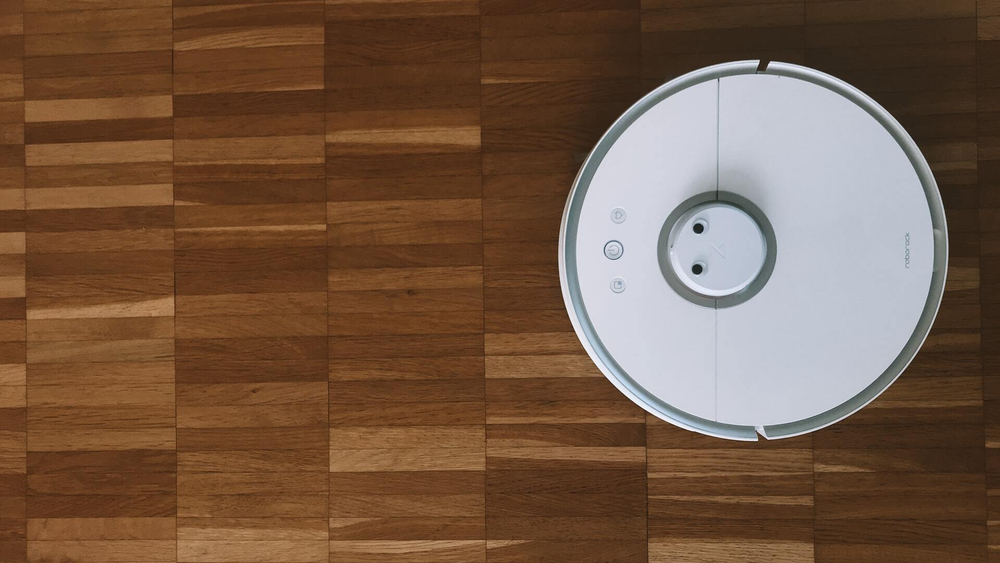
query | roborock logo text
[906, 254]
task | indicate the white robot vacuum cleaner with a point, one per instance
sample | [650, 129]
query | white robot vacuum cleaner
[753, 249]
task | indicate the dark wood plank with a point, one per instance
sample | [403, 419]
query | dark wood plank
[404, 214]
[250, 224]
[13, 350]
[988, 168]
[100, 297]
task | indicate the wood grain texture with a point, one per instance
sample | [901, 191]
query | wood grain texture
[404, 213]
[988, 154]
[278, 282]
[13, 383]
[101, 458]
[250, 234]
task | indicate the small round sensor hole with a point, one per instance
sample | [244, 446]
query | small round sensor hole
[697, 269]
[699, 227]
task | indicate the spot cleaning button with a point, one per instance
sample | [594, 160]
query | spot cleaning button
[618, 285]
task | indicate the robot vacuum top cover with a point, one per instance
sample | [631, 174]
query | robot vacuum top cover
[753, 248]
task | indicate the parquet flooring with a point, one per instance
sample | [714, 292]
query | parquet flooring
[278, 283]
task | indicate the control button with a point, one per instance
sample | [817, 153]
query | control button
[613, 250]
[617, 285]
[618, 215]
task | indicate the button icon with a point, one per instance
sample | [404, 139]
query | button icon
[618, 215]
[613, 250]
[617, 285]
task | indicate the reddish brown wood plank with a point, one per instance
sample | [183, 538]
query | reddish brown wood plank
[13, 389]
[404, 213]
[100, 297]
[988, 137]
[679, 37]
[251, 281]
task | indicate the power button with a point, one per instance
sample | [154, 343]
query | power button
[613, 250]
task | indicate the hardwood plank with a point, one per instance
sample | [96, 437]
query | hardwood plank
[407, 441]
[13, 384]
[101, 467]
[251, 288]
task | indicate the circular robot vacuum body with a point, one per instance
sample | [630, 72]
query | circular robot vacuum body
[753, 249]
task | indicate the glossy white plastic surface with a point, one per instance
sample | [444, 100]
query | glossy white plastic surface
[847, 209]
[854, 259]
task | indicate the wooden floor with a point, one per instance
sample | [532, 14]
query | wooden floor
[278, 283]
